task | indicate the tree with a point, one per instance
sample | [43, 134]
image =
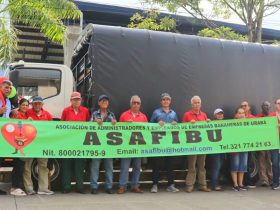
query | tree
[47, 15]
[222, 33]
[251, 12]
[150, 20]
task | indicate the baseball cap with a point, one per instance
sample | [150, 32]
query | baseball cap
[219, 110]
[101, 97]
[75, 95]
[37, 99]
[165, 95]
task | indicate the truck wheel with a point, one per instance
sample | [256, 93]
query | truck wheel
[254, 167]
[54, 166]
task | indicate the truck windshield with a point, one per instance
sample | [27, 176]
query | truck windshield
[34, 81]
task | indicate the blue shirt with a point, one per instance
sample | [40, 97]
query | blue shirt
[97, 115]
[9, 108]
[160, 115]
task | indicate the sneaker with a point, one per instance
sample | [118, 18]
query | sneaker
[18, 192]
[251, 186]
[30, 192]
[218, 188]
[45, 192]
[154, 189]
[275, 187]
[172, 188]
[242, 188]
[235, 188]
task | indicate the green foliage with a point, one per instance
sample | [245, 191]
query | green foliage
[251, 12]
[8, 43]
[222, 33]
[151, 21]
[47, 15]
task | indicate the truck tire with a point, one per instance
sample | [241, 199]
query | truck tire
[54, 166]
[254, 167]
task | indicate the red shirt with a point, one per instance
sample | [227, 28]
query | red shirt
[44, 115]
[250, 116]
[261, 115]
[68, 114]
[273, 114]
[191, 115]
[128, 116]
[21, 116]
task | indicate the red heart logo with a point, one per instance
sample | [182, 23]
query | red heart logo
[18, 135]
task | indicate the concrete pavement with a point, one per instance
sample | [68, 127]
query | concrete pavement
[257, 199]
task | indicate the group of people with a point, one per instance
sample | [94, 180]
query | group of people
[21, 175]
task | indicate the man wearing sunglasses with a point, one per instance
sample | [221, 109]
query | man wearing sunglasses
[131, 115]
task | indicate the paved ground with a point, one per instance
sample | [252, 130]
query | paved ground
[259, 198]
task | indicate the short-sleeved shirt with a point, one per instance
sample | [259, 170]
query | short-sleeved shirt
[160, 115]
[128, 116]
[8, 106]
[109, 117]
[21, 116]
[44, 115]
[261, 115]
[274, 114]
[69, 114]
[191, 115]
[250, 116]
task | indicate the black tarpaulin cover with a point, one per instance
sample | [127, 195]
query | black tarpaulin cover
[148, 63]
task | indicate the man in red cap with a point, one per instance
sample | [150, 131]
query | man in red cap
[74, 112]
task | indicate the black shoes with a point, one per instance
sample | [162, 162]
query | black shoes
[109, 191]
[94, 191]
[66, 191]
[81, 191]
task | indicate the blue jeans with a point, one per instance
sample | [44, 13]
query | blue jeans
[275, 166]
[239, 162]
[216, 164]
[94, 168]
[136, 169]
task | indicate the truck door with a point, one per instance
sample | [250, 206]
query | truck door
[49, 83]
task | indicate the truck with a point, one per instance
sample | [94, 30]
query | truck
[121, 62]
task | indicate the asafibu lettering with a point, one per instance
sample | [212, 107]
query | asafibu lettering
[137, 138]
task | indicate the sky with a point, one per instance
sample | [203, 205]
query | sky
[272, 21]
